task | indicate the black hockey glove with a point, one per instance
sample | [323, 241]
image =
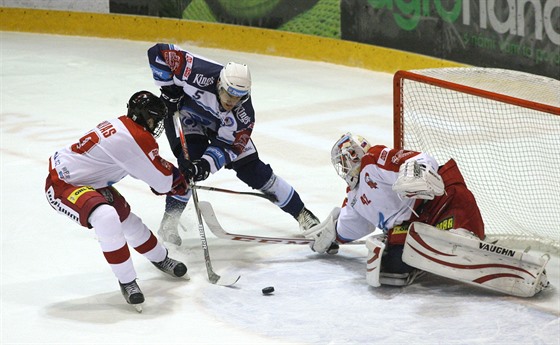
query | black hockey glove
[172, 95]
[198, 170]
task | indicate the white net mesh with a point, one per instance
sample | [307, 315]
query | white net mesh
[508, 153]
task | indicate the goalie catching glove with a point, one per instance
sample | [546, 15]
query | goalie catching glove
[418, 181]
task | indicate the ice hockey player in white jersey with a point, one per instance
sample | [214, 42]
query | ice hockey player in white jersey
[429, 219]
[80, 186]
[217, 115]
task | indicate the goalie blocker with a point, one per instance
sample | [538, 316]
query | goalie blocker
[459, 255]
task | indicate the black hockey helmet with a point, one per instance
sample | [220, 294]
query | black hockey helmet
[147, 110]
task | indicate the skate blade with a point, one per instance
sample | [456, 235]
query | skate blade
[138, 307]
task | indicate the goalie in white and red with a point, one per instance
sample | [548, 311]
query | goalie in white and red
[407, 193]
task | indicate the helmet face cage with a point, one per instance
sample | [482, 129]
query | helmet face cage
[147, 110]
[346, 157]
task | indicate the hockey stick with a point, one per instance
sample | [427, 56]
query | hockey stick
[212, 276]
[270, 197]
[218, 231]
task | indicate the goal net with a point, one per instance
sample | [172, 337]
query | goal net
[503, 129]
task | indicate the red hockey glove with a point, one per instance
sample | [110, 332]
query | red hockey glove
[179, 186]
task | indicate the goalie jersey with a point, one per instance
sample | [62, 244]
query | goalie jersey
[373, 203]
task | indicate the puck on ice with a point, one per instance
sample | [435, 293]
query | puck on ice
[268, 290]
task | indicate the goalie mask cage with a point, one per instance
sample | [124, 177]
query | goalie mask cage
[503, 129]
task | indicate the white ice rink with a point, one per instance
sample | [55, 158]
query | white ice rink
[56, 287]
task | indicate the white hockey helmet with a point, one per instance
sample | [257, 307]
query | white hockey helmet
[235, 79]
[346, 157]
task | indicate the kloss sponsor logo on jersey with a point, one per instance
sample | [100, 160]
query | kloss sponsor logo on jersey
[188, 66]
[496, 249]
[202, 81]
[77, 193]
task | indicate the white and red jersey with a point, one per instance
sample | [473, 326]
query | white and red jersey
[373, 203]
[109, 152]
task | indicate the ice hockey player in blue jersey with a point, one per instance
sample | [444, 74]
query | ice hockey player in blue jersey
[217, 115]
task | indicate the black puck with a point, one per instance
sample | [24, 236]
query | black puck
[268, 290]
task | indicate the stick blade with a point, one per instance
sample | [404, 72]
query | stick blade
[227, 280]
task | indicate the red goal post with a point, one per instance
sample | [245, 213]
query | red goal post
[503, 129]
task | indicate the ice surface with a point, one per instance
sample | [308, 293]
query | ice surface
[56, 287]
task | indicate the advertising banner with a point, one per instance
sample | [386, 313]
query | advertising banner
[523, 35]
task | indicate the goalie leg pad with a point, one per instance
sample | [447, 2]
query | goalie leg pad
[376, 253]
[375, 246]
[461, 257]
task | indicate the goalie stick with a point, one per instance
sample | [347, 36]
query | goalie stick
[212, 276]
[212, 221]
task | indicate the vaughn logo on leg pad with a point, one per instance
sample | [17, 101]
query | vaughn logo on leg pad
[496, 249]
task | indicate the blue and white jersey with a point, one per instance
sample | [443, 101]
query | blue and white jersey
[229, 131]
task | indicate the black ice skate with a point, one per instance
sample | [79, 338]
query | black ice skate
[132, 294]
[172, 267]
[169, 228]
[307, 220]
